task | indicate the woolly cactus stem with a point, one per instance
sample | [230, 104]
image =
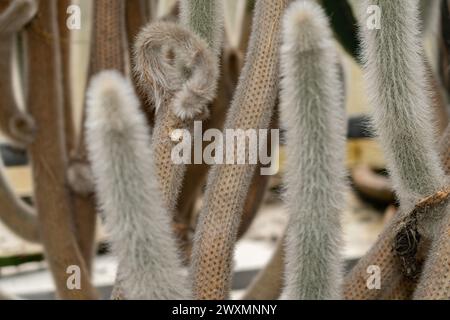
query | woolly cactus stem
[137, 221]
[312, 114]
[397, 92]
[402, 118]
[205, 18]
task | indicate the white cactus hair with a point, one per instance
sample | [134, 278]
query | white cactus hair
[194, 90]
[206, 18]
[119, 149]
[395, 77]
[314, 118]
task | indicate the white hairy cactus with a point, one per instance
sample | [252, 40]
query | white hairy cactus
[315, 179]
[395, 77]
[205, 18]
[119, 143]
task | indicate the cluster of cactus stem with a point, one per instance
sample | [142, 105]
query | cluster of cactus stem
[151, 75]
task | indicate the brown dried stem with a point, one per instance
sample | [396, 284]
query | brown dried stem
[48, 154]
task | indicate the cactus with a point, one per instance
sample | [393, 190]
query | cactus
[402, 119]
[205, 18]
[228, 185]
[433, 283]
[177, 99]
[106, 53]
[312, 114]
[14, 123]
[401, 106]
[129, 195]
[49, 160]
[18, 216]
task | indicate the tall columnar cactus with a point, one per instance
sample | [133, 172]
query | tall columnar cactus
[228, 184]
[48, 153]
[129, 195]
[178, 97]
[402, 117]
[205, 18]
[14, 123]
[312, 114]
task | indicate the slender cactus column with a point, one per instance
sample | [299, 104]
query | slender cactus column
[228, 185]
[315, 178]
[402, 118]
[49, 158]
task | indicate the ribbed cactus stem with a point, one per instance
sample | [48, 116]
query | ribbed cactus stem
[205, 18]
[14, 123]
[228, 184]
[135, 216]
[312, 114]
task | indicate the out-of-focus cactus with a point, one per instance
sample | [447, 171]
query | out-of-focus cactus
[49, 160]
[14, 123]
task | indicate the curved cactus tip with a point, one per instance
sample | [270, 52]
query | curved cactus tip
[302, 21]
[109, 97]
[188, 81]
[22, 128]
[18, 13]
